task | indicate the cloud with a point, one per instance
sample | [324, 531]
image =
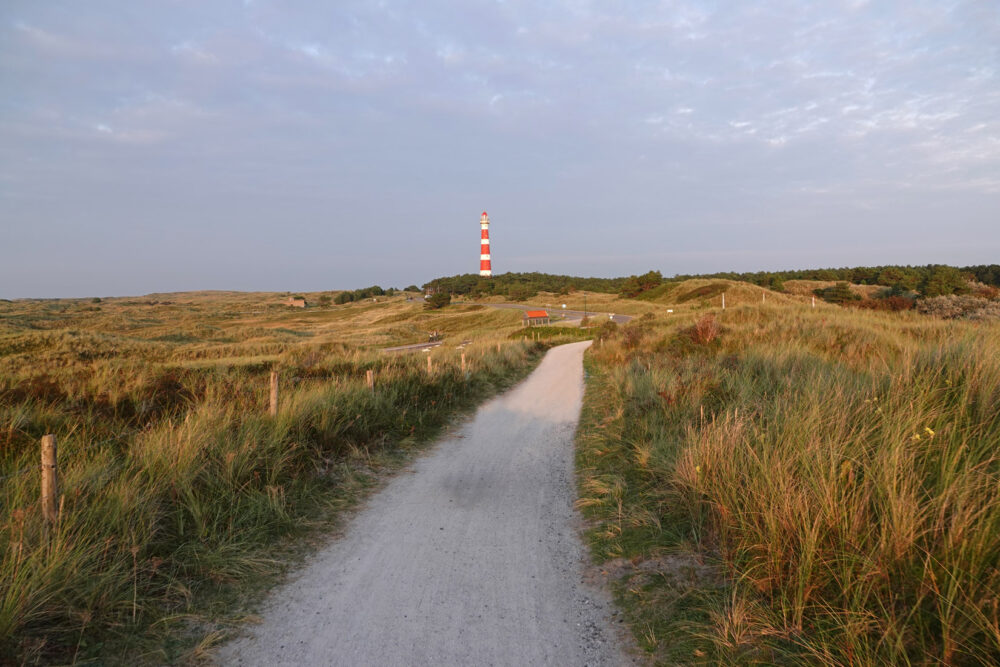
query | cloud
[354, 115]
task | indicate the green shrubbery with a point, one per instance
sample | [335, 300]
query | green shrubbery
[359, 294]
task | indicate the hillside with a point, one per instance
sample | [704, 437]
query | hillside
[699, 292]
[179, 493]
[782, 485]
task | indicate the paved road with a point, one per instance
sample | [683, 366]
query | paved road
[473, 558]
[415, 346]
[568, 314]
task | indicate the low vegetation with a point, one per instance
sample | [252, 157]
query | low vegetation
[178, 491]
[787, 485]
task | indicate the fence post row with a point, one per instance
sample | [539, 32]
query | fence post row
[50, 479]
[273, 410]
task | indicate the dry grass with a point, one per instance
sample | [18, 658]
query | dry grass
[176, 486]
[839, 467]
[807, 287]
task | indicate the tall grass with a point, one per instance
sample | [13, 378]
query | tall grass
[176, 485]
[841, 469]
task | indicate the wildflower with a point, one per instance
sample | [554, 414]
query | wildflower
[928, 431]
[916, 437]
[697, 469]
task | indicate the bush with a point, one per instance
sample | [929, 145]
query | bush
[944, 280]
[636, 285]
[705, 330]
[838, 293]
[950, 306]
[437, 300]
[990, 311]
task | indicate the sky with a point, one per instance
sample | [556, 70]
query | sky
[293, 145]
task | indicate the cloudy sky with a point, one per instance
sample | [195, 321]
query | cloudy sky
[307, 145]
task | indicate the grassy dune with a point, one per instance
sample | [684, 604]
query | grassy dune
[178, 491]
[783, 485]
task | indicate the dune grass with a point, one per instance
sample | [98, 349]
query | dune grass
[783, 485]
[179, 493]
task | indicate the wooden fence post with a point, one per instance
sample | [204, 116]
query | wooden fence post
[814, 302]
[370, 379]
[274, 394]
[498, 347]
[430, 366]
[723, 301]
[463, 362]
[50, 479]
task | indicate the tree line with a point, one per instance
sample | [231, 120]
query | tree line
[520, 286]
[927, 280]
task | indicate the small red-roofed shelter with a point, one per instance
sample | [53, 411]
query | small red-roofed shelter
[535, 317]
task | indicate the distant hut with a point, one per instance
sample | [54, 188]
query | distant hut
[296, 302]
[533, 318]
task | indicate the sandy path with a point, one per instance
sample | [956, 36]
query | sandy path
[472, 558]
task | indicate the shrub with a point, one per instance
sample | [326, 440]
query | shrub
[632, 336]
[705, 330]
[636, 285]
[607, 330]
[944, 280]
[838, 293]
[437, 300]
[950, 306]
[990, 311]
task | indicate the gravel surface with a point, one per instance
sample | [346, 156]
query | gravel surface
[471, 557]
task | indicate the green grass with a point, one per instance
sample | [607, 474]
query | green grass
[809, 487]
[181, 498]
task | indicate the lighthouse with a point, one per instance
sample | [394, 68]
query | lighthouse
[485, 269]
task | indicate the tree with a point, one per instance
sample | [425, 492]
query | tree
[943, 280]
[839, 293]
[636, 285]
[437, 300]
[324, 300]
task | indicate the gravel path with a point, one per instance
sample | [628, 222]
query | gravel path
[470, 558]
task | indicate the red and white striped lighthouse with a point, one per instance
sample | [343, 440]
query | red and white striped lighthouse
[485, 269]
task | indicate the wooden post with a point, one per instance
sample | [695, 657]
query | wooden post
[463, 362]
[498, 347]
[274, 394]
[50, 479]
[814, 302]
[763, 297]
[430, 365]
[723, 301]
[370, 379]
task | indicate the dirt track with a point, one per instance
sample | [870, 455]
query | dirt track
[471, 558]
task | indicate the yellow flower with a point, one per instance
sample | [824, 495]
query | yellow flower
[928, 431]
[697, 469]
[916, 436]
